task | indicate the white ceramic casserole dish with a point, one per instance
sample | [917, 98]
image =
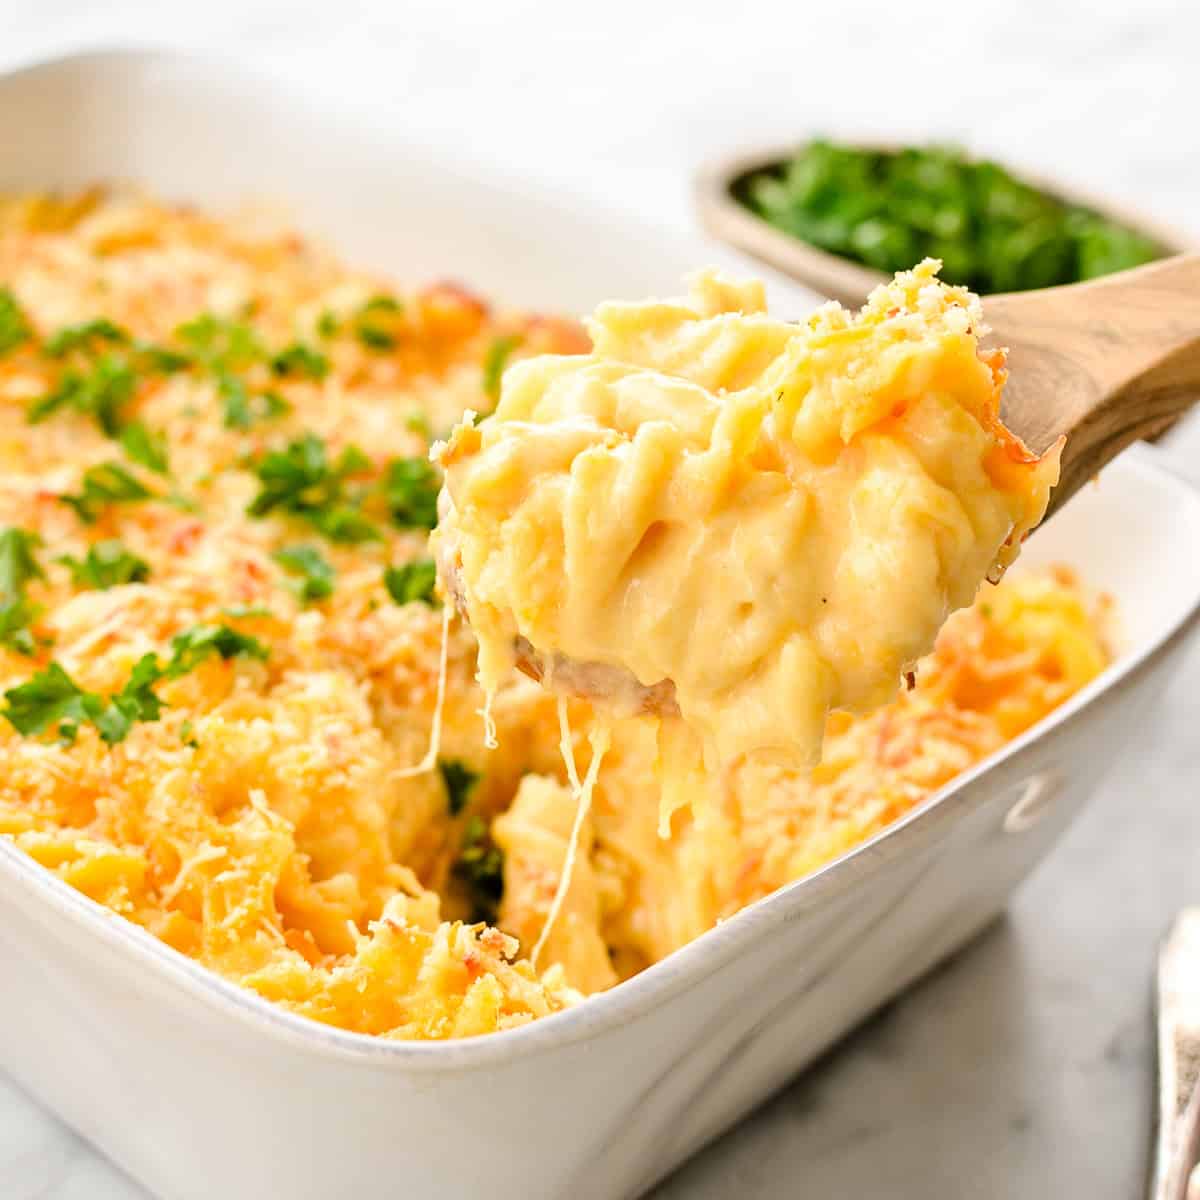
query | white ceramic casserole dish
[201, 1090]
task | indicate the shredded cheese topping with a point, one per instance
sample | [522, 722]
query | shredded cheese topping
[267, 822]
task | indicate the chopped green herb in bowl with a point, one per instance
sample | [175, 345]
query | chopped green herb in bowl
[887, 209]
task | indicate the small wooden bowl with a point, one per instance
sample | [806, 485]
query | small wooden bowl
[727, 218]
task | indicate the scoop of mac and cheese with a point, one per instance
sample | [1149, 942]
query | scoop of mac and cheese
[771, 519]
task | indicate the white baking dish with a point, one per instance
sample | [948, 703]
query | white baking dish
[201, 1090]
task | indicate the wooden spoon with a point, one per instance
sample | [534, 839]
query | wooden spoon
[1104, 362]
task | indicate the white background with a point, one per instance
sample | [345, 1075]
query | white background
[1023, 1069]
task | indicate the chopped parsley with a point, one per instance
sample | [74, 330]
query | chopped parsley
[146, 447]
[136, 701]
[311, 573]
[344, 523]
[162, 358]
[18, 565]
[88, 337]
[410, 489]
[271, 405]
[224, 347]
[219, 343]
[16, 616]
[480, 868]
[375, 322]
[87, 341]
[889, 209]
[412, 582]
[301, 480]
[53, 698]
[191, 647]
[374, 337]
[101, 365]
[103, 485]
[300, 361]
[101, 389]
[248, 610]
[14, 324]
[460, 781]
[327, 324]
[418, 422]
[235, 399]
[381, 302]
[107, 564]
[243, 409]
[494, 362]
[297, 478]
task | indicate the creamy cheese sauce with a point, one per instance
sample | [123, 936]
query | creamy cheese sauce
[773, 520]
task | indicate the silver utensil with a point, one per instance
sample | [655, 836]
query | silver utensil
[1178, 1142]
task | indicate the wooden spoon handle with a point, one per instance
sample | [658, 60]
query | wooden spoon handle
[1105, 362]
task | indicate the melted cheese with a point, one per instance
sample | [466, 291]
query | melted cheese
[997, 668]
[581, 796]
[775, 518]
[430, 757]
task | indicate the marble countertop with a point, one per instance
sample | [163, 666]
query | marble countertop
[1023, 1068]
